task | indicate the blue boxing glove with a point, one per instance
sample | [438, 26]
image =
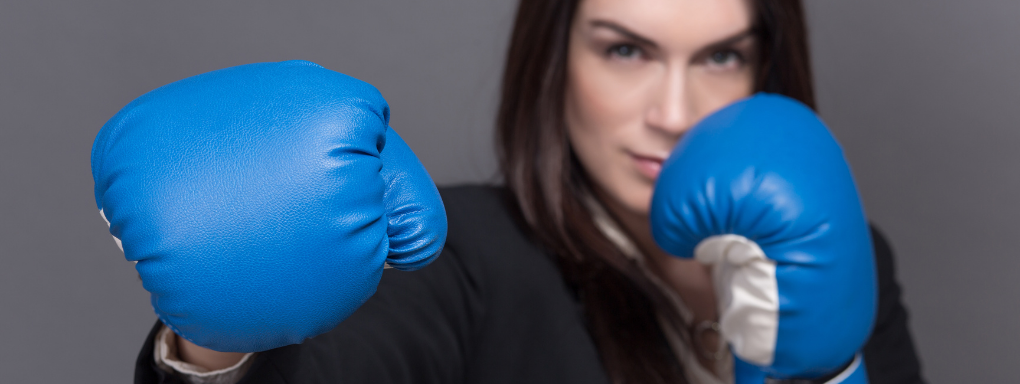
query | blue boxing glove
[760, 191]
[262, 201]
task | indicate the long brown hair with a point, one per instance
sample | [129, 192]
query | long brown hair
[548, 183]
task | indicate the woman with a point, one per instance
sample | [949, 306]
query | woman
[555, 277]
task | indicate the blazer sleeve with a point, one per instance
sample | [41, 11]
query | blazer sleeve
[889, 354]
[415, 329]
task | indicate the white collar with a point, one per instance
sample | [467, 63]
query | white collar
[695, 373]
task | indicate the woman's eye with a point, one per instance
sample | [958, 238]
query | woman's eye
[725, 59]
[624, 51]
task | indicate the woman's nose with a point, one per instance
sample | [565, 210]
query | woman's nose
[670, 109]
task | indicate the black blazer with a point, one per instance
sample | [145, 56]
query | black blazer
[491, 309]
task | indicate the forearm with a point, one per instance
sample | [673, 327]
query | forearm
[211, 360]
[396, 337]
[194, 364]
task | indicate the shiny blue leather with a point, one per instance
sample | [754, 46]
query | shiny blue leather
[262, 201]
[768, 169]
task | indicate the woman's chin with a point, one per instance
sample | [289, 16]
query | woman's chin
[634, 201]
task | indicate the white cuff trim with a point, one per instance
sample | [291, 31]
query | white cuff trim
[119, 245]
[166, 356]
[847, 372]
[748, 294]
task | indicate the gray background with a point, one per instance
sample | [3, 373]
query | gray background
[925, 96]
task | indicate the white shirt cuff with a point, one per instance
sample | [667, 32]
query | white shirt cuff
[167, 358]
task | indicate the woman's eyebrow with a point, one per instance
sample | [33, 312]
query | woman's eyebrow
[623, 31]
[726, 41]
[736, 38]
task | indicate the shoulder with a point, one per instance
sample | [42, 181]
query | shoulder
[885, 265]
[532, 317]
[488, 237]
[477, 203]
[473, 202]
[482, 219]
[889, 353]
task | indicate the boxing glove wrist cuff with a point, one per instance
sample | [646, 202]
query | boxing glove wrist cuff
[748, 295]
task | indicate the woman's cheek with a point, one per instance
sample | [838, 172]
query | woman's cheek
[716, 91]
[604, 111]
[604, 95]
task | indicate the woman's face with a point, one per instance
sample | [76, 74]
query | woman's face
[642, 72]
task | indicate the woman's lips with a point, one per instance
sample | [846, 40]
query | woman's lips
[649, 166]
